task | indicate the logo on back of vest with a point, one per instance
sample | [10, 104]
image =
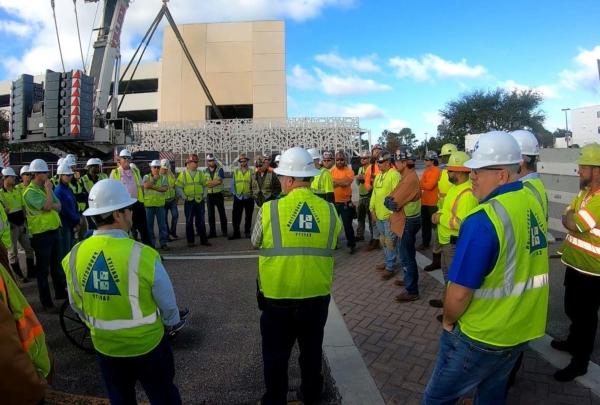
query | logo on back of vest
[101, 276]
[537, 237]
[305, 220]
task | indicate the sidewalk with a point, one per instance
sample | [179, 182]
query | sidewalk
[398, 342]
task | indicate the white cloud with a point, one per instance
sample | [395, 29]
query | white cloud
[15, 28]
[335, 85]
[547, 90]
[301, 79]
[396, 124]
[432, 65]
[585, 74]
[432, 118]
[335, 61]
[363, 111]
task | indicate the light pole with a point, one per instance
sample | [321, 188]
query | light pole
[566, 126]
[426, 145]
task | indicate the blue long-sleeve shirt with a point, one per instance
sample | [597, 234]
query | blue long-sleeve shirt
[69, 215]
[162, 289]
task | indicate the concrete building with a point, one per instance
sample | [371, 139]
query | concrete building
[585, 125]
[242, 63]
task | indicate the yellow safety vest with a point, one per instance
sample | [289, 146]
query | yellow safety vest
[193, 187]
[153, 198]
[13, 199]
[243, 181]
[322, 183]
[171, 191]
[211, 176]
[362, 190]
[299, 236]
[116, 174]
[110, 287]
[444, 186]
[383, 185]
[5, 230]
[536, 187]
[88, 183]
[511, 305]
[458, 203]
[39, 221]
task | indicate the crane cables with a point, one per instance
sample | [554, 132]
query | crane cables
[57, 35]
[87, 52]
[79, 35]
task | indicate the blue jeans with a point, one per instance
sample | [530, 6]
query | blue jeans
[194, 213]
[387, 238]
[464, 365]
[159, 213]
[408, 253]
[171, 206]
[66, 235]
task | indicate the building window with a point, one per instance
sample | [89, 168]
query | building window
[231, 112]
[599, 130]
[597, 114]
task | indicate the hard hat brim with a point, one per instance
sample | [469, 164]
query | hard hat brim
[458, 169]
[309, 172]
[478, 164]
[97, 211]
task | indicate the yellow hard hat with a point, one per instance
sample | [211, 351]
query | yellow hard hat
[448, 149]
[456, 162]
[590, 155]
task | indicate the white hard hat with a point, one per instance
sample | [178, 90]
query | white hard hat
[165, 163]
[71, 156]
[155, 163]
[108, 195]
[60, 161]
[38, 166]
[24, 170]
[125, 153]
[314, 153]
[94, 161]
[64, 169]
[495, 148]
[527, 141]
[70, 161]
[8, 172]
[277, 158]
[296, 162]
[210, 156]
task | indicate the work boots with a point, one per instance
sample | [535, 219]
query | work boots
[16, 268]
[373, 245]
[30, 268]
[436, 263]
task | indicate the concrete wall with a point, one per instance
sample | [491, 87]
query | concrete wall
[585, 124]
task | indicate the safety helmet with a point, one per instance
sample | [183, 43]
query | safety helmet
[94, 161]
[71, 156]
[402, 156]
[155, 163]
[108, 195]
[70, 161]
[277, 158]
[24, 170]
[165, 163]
[456, 162]
[495, 148]
[327, 155]
[9, 171]
[296, 162]
[64, 169]
[527, 141]
[589, 155]
[448, 149]
[125, 153]
[210, 156]
[314, 153]
[60, 161]
[385, 156]
[38, 166]
[376, 146]
[431, 155]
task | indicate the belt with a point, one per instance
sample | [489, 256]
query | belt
[288, 302]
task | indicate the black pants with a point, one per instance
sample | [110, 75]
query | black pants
[281, 324]
[346, 213]
[216, 200]
[154, 370]
[426, 225]
[140, 223]
[246, 205]
[46, 246]
[582, 300]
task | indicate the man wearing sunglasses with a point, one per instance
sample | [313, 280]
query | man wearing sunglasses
[322, 183]
[497, 297]
[370, 173]
[265, 186]
[190, 186]
[343, 176]
[241, 189]
[364, 197]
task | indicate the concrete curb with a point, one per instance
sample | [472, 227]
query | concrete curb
[348, 369]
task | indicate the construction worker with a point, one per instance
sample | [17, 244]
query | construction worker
[24, 358]
[405, 222]
[214, 196]
[170, 200]
[328, 161]
[343, 177]
[15, 211]
[296, 236]
[530, 151]
[276, 161]
[130, 176]
[69, 214]
[189, 187]
[42, 208]
[80, 194]
[94, 174]
[156, 186]
[370, 173]
[25, 178]
[458, 202]
[241, 189]
[265, 186]
[364, 196]
[56, 178]
[582, 276]
[127, 324]
[385, 182]
[322, 184]
[429, 197]
[497, 298]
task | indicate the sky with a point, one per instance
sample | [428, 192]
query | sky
[394, 64]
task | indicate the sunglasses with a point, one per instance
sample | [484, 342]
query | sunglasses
[326, 160]
[476, 171]
[340, 160]
[125, 158]
[363, 158]
[382, 161]
[192, 161]
[243, 161]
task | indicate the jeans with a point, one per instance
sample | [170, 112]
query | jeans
[346, 214]
[18, 233]
[66, 236]
[387, 238]
[154, 370]
[240, 206]
[426, 213]
[464, 364]
[163, 235]
[281, 324]
[407, 253]
[140, 224]
[363, 216]
[171, 206]
[194, 213]
[216, 200]
[46, 246]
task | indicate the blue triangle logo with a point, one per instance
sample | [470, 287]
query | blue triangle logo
[100, 279]
[305, 221]
[537, 237]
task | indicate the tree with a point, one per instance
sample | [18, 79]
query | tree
[392, 141]
[4, 135]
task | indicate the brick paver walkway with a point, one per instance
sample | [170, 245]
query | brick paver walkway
[399, 342]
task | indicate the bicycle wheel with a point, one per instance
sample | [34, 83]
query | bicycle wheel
[74, 329]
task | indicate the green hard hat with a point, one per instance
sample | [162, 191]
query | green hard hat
[590, 155]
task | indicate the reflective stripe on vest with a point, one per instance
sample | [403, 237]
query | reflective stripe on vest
[190, 185]
[40, 221]
[242, 182]
[116, 174]
[211, 176]
[455, 221]
[543, 200]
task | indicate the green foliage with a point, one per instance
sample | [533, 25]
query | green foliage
[392, 141]
[4, 135]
